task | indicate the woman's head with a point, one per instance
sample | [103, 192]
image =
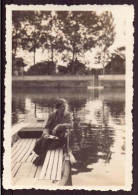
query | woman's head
[60, 105]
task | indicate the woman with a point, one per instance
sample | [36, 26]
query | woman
[57, 124]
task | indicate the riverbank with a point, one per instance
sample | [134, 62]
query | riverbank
[68, 81]
[111, 81]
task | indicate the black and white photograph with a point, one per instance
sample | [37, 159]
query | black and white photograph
[68, 101]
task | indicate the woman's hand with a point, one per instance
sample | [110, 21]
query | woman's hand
[45, 133]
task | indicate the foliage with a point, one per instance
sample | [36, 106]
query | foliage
[79, 68]
[42, 68]
[106, 38]
[117, 62]
[120, 52]
[70, 33]
[17, 64]
[77, 28]
[62, 69]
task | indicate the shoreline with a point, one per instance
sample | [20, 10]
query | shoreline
[69, 81]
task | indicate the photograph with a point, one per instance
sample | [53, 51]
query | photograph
[68, 97]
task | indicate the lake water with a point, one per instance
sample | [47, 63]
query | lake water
[98, 138]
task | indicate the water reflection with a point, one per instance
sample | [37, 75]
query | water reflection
[98, 116]
[18, 108]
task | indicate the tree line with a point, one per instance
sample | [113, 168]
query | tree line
[68, 33]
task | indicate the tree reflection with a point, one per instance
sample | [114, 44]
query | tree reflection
[86, 141]
[44, 103]
[18, 108]
[95, 144]
[117, 109]
[74, 106]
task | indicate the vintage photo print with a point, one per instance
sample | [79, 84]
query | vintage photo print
[68, 97]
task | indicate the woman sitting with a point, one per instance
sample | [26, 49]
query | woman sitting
[57, 125]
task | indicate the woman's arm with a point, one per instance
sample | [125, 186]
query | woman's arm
[67, 125]
[46, 129]
[59, 126]
[45, 132]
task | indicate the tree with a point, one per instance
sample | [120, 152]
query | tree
[79, 68]
[52, 38]
[62, 69]
[16, 31]
[72, 25]
[85, 30]
[71, 33]
[37, 29]
[116, 64]
[18, 66]
[106, 38]
[26, 26]
[42, 68]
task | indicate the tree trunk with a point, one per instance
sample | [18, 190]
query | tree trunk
[34, 55]
[16, 44]
[73, 71]
[52, 53]
[103, 70]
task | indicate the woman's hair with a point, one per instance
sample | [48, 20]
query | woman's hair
[59, 103]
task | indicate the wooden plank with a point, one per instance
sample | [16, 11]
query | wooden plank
[29, 142]
[30, 125]
[60, 162]
[54, 170]
[32, 171]
[43, 124]
[18, 144]
[31, 157]
[15, 169]
[34, 157]
[22, 143]
[44, 168]
[24, 151]
[24, 170]
[28, 152]
[50, 165]
[14, 180]
[15, 148]
[38, 124]
[19, 151]
[32, 142]
[13, 165]
[34, 124]
[39, 168]
[16, 128]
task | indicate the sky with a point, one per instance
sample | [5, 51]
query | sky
[120, 25]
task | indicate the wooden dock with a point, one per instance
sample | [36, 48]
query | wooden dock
[24, 172]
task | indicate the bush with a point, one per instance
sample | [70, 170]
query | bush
[42, 68]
